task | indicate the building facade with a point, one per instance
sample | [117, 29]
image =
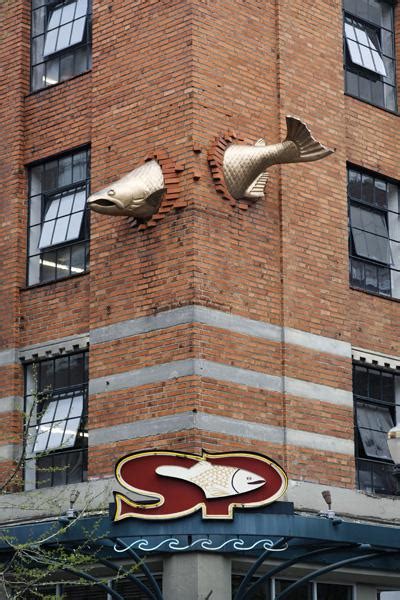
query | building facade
[216, 324]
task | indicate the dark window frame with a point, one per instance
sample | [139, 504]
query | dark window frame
[65, 63]
[58, 466]
[377, 470]
[365, 270]
[36, 273]
[374, 86]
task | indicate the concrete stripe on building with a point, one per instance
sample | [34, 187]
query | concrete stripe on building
[218, 424]
[219, 372]
[10, 403]
[8, 357]
[221, 320]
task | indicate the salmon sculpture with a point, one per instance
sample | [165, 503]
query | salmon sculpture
[138, 194]
[216, 481]
[244, 166]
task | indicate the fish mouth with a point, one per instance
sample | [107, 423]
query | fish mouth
[106, 206]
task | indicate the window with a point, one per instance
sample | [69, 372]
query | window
[56, 402]
[374, 233]
[61, 32]
[369, 51]
[58, 219]
[388, 594]
[308, 591]
[376, 406]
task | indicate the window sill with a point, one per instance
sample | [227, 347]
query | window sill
[56, 85]
[53, 281]
[388, 110]
[389, 298]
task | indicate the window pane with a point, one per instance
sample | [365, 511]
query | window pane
[78, 258]
[329, 591]
[61, 372]
[380, 197]
[78, 30]
[64, 36]
[76, 369]
[80, 201]
[370, 234]
[55, 18]
[46, 234]
[68, 12]
[76, 408]
[51, 42]
[81, 9]
[66, 204]
[373, 424]
[66, 66]
[63, 262]
[374, 384]
[75, 226]
[48, 266]
[354, 184]
[38, 20]
[302, 593]
[44, 429]
[367, 188]
[50, 178]
[60, 230]
[360, 381]
[65, 171]
[52, 72]
[355, 53]
[38, 77]
[79, 167]
[384, 281]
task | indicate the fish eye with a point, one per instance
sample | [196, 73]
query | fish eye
[111, 192]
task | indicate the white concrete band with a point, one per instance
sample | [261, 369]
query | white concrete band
[218, 424]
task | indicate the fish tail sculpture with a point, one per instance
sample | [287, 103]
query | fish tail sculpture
[216, 481]
[244, 166]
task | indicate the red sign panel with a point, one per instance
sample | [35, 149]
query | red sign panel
[179, 484]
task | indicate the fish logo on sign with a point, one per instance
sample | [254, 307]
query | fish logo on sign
[179, 484]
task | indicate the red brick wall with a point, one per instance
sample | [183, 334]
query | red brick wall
[175, 74]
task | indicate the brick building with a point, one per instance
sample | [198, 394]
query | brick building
[218, 325]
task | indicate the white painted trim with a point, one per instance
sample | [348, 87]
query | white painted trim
[317, 343]
[10, 403]
[65, 345]
[183, 368]
[316, 391]
[222, 320]
[218, 424]
[373, 358]
[219, 372]
[8, 357]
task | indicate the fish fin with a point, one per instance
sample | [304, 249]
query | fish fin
[260, 142]
[257, 188]
[308, 148]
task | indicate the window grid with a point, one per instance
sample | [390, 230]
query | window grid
[376, 407]
[373, 81]
[58, 229]
[57, 442]
[374, 233]
[60, 41]
[309, 591]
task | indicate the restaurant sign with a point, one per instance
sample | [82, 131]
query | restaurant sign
[176, 484]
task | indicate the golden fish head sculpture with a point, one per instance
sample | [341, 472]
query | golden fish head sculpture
[244, 166]
[138, 194]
